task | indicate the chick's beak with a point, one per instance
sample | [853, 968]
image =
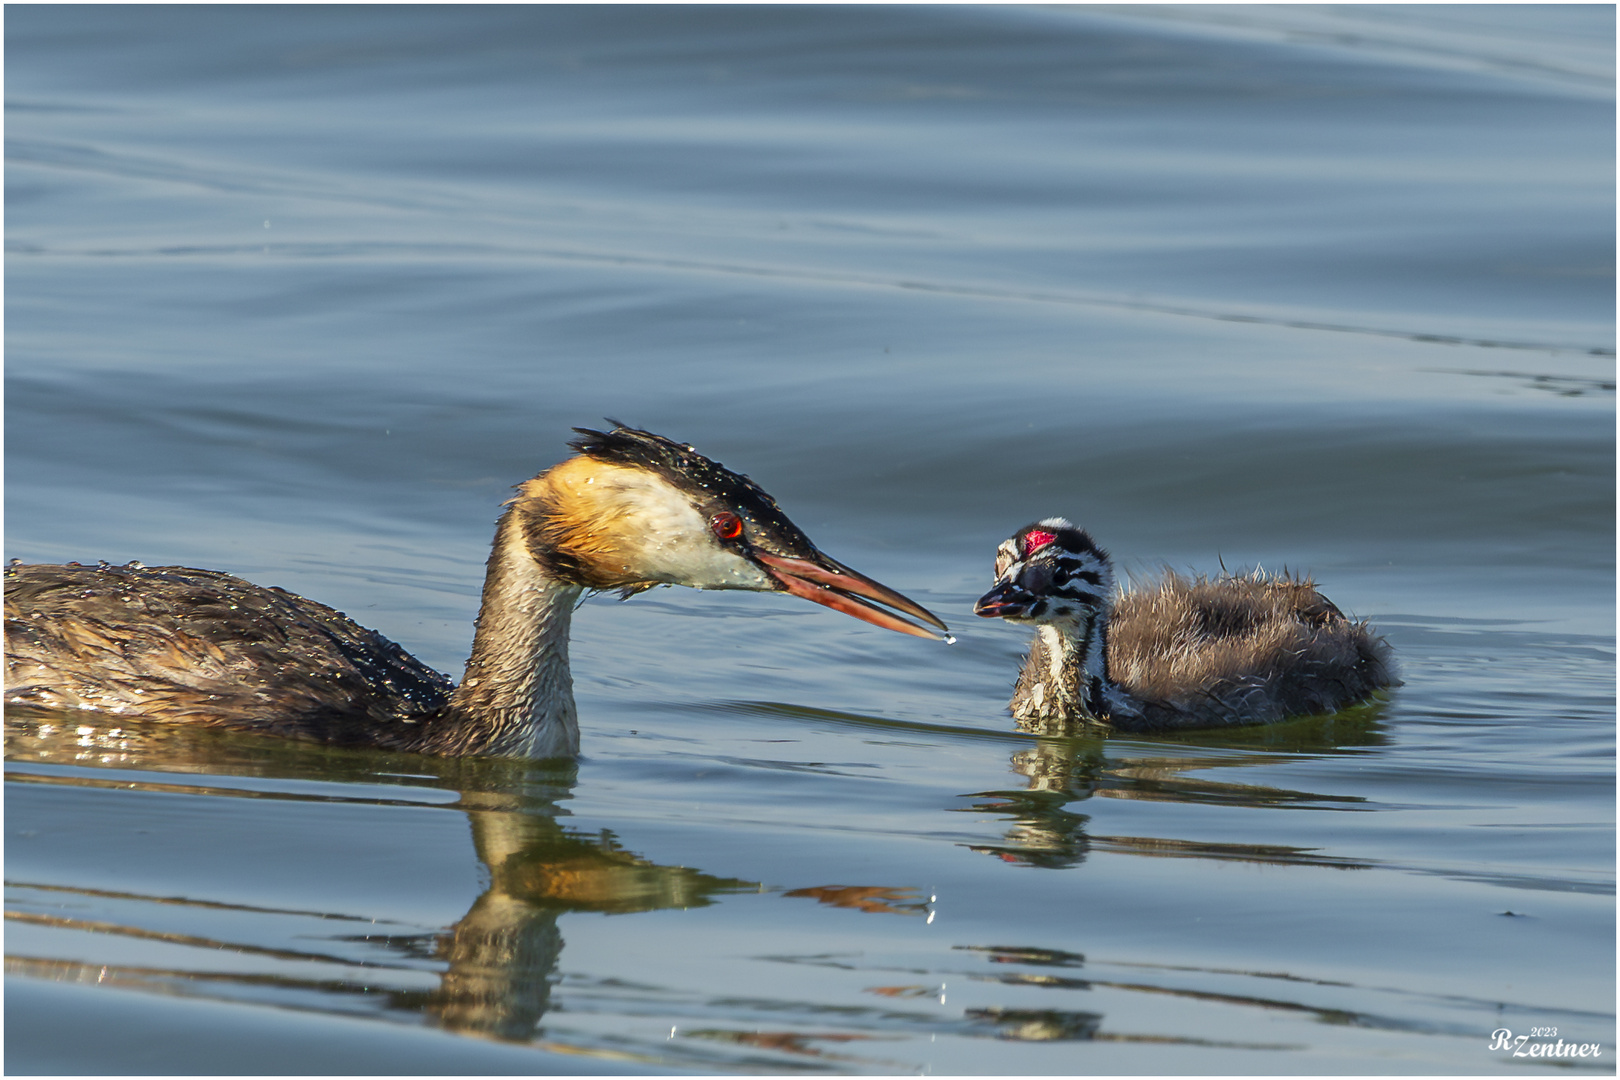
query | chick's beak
[832, 584]
[1008, 599]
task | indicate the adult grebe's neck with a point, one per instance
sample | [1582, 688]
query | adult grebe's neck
[517, 696]
[1066, 674]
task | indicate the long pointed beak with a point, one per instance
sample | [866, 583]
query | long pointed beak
[835, 585]
[1007, 599]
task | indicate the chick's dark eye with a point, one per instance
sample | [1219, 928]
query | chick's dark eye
[726, 525]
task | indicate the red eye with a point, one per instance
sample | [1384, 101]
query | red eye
[726, 525]
[1034, 540]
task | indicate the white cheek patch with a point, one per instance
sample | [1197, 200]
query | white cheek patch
[1006, 556]
[670, 541]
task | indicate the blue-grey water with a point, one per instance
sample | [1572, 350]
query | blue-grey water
[299, 292]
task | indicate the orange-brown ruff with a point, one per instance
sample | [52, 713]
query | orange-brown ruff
[633, 510]
[1180, 653]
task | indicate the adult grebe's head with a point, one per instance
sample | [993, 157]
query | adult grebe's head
[634, 510]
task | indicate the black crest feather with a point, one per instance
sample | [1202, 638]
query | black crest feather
[710, 483]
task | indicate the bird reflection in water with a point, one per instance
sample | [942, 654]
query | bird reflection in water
[502, 956]
[491, 973]
[1076, 763]
[497, 964]
[874, 899]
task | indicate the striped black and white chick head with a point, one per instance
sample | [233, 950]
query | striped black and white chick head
[1050, 573]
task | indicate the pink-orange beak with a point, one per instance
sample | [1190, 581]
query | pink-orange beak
[834, 585]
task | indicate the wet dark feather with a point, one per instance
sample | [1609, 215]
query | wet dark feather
[205, 647]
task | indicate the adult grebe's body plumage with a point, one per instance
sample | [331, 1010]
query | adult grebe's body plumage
[631, 511]
[201, 646]
[1181, 653]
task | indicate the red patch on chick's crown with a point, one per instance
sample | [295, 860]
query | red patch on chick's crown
[1035, 539]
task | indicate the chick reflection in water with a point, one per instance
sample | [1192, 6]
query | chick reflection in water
[1062, 771]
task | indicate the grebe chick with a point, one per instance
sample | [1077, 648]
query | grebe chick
[1183, 653]
[631, 511]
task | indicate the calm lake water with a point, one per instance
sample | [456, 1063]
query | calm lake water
[299, 293]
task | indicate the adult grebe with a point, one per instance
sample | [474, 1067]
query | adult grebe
[1250, 649]
[631, 511]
